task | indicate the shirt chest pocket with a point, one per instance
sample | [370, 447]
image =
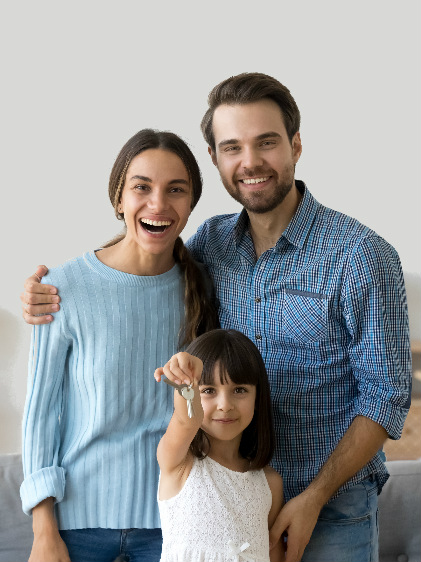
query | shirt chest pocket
[304, 316]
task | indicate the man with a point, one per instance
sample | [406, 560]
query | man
[323, 298]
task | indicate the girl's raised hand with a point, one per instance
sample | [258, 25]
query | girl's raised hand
[182, 368]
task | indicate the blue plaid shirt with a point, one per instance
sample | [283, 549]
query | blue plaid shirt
[326, 307]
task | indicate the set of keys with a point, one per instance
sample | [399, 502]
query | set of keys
[187, 392]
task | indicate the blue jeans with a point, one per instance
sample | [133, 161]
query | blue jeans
[347, 528]
[107, 545]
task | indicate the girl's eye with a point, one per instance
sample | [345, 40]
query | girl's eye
[240, 390]
[207, 390]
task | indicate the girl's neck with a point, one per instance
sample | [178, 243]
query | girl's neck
[229, 456]
[129, 258]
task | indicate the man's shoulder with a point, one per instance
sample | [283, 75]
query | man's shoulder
[219, 222]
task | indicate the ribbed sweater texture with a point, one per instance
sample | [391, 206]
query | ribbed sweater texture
[94, 414]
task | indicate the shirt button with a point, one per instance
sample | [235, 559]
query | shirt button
[258, 337]
[257, 299]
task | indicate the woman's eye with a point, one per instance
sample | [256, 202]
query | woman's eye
[141, 187]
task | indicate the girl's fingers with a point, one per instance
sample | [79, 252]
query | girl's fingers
[158, 374]
[173, 372]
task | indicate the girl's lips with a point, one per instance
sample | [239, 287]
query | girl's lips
[225, 420]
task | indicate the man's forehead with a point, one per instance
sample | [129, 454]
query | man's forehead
[247, 120]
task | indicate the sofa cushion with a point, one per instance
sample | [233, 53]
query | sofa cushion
[400, 513]
[15, 527]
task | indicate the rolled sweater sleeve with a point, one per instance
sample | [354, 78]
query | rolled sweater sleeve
[375, 310]
[43, 477]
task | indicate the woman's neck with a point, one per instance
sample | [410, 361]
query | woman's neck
[129, 258]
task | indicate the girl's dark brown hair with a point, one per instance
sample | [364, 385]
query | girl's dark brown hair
[246, 88]
[200, 314]
[238, 359]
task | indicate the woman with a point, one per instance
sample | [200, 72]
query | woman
[93, 416]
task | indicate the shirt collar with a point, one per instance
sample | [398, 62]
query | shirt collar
[297, 230]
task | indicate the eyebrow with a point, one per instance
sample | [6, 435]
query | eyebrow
[145, 178]
[269, 134]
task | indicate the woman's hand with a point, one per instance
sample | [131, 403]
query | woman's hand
[181, 368]
[49, 547]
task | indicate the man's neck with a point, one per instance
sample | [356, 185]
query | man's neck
[267, 228]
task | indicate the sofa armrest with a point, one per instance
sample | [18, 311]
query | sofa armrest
[400, 513]
[15, 527]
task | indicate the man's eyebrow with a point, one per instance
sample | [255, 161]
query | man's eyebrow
[144, 178]
[268, 135]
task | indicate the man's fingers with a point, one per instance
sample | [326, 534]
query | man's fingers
[39, 298]
[277, 529]
[40, 271]
[36, 320]
[35, 309]
[32, 285]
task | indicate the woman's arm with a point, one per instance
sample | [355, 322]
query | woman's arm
[48, 546]
[182, 368]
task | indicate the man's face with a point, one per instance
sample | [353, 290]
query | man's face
[253, 154]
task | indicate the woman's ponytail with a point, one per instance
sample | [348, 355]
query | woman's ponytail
[200, 315]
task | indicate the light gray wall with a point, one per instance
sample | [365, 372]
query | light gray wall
[80, 78]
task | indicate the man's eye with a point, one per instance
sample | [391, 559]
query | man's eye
[231, 148]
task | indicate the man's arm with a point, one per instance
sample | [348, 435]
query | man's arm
[39, 299]
[299, 516]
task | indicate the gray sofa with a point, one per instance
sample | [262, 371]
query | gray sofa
[399, 513]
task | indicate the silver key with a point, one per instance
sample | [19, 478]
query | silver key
[188, 394]
[178, 387]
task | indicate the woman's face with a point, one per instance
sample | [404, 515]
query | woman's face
[156, 200]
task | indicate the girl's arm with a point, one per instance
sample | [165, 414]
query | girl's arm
[277, 552]
[174, 445]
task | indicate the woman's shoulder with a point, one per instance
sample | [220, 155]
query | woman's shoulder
[67, 274]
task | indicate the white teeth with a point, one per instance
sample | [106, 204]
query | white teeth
[255, 180]
[156, 223]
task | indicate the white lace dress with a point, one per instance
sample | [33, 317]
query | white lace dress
[219, 516]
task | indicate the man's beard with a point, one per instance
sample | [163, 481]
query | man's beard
[260, 202]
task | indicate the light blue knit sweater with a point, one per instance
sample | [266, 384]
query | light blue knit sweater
[94, 413]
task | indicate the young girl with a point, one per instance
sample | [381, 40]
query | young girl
[93, 416]
[217, 495]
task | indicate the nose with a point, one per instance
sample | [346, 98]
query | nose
[251, 158]
[158, 201]
[224, 402]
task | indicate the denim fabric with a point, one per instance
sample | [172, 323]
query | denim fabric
[347, 529]
[107, 545]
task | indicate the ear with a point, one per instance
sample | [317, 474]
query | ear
[297, 147]
[213, 156]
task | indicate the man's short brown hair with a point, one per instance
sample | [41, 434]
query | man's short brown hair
[247, 88]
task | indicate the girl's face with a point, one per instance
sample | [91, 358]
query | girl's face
[156, 201]
[228, 408]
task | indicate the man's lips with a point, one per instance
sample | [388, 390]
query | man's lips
[254, 181]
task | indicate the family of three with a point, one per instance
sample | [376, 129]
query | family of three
[288, 321]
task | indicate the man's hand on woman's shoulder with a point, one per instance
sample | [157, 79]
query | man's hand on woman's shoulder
[39, 300]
